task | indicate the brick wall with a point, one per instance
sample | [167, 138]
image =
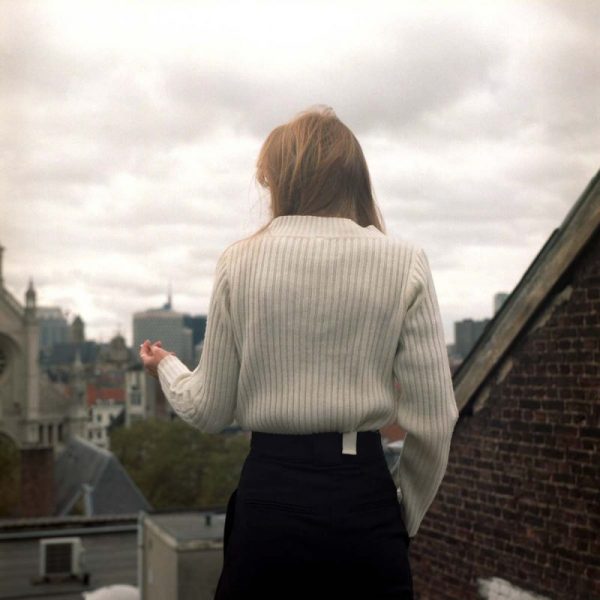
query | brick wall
[521, 497]
[37, 482]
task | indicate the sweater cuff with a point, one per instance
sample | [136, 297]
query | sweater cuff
[170, 367]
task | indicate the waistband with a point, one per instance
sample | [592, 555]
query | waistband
[330, 446]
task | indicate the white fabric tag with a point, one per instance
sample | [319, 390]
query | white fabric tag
[349, 442]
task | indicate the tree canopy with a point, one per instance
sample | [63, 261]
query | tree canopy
[176, 466]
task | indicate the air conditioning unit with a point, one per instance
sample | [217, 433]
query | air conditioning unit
[62, 558]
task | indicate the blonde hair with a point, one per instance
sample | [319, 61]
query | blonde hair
[314, 165]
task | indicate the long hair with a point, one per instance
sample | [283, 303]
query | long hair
[314, 165]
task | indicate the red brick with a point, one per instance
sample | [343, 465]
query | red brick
[520, 495]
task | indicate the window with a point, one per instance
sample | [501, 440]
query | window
[136, 397]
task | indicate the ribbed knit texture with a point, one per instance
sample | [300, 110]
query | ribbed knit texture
[308, 327]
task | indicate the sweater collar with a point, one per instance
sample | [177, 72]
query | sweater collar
[309, 225]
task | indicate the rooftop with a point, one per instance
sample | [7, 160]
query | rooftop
[110, 550]
[110, 544]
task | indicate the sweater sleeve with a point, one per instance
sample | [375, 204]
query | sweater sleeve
[426, 408]
[206, 397]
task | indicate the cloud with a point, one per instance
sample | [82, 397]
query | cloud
[129, 135]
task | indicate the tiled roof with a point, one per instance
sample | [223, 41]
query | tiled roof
[111, 489]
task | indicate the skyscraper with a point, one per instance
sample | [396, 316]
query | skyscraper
[166, 325]
[54, 328]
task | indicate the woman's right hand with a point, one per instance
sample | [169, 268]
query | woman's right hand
[151, 355]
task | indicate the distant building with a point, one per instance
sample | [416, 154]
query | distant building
[116, 353]
[466, 333]
[36, 415]
[499, 300]
[198, 326]
[167, 326]
[454, 358]
[58, 361]
[103, 389]
[101, 415]
[139, 395]
[78, 330]
[53, 326]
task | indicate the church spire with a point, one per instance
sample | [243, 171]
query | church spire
[168, 304]
[30, 298]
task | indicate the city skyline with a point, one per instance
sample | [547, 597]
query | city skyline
[129, 163]
[55, 312]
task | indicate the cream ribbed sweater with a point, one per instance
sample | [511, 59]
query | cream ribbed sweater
[308, 327]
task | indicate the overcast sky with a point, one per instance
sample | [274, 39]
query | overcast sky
[129, 133]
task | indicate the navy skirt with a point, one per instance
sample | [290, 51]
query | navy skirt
[308, 521]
